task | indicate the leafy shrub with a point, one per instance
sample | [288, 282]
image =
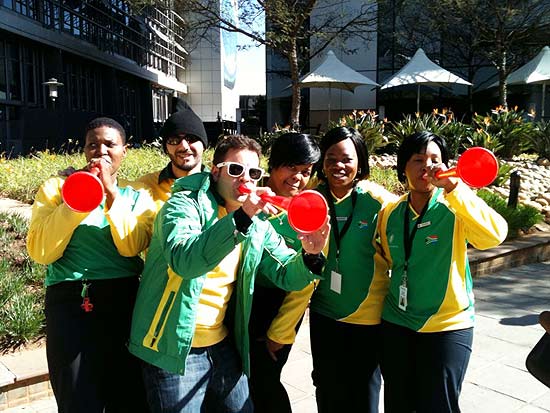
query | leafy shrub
[441, 123]
[519, 219]
[369, 126]
[539, 139]
[504, 131]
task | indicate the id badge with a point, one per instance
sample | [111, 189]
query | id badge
[336, 282]
[403, 297]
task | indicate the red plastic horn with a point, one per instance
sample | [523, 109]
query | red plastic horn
[307, 211]
[477, 167]
[83, 191]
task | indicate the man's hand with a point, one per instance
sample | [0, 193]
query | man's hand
[254, 204]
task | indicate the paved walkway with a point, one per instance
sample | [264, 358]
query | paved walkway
[508, 303]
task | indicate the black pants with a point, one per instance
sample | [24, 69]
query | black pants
[91, 370]
[423, 372]
[345, 365]
[268, 393]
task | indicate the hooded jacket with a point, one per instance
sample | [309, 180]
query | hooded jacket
[188, 241]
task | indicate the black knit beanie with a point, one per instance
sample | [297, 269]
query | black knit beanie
[184, 121]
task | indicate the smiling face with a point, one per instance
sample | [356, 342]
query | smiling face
[417, 166]
[185, 153]
[105, 143]
[340, 167]
[227, 185]
[289, 180]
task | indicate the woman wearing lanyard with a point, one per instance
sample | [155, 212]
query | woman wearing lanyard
[428, 314]
[346, 306]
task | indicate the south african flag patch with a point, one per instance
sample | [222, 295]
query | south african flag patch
[431, 239]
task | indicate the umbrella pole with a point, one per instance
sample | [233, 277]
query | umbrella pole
[543, 99]
[329, 99]
[418, 99]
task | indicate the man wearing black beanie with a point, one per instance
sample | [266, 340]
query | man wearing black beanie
[184, 140]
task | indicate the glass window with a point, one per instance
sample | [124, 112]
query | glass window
[3, 78]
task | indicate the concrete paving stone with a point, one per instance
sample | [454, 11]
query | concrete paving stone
[543, 402]
[520, 335]
[479, 399]
[531, 409]
[298, 374]
[493, 349]
[6, 376]
[32, 364]
[304, 406]
[505, 309]
[508, 380]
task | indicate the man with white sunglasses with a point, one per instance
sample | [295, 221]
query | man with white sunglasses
[190, 322]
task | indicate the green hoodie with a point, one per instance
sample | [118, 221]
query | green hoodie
[188, 241]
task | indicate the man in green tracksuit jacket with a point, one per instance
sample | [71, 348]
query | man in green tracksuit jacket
[190, 322]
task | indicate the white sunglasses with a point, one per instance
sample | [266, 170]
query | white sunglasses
[236, 169]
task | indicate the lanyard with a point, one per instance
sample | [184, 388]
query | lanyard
[338, 235]
[408, 237]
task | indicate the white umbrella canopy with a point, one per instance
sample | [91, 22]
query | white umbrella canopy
[537, 70]
[422, 71]
[333, 74]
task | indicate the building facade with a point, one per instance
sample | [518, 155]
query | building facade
[109, 62]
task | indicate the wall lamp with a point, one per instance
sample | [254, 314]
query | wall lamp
[53, 85]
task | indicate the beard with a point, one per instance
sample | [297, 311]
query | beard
[185, 165]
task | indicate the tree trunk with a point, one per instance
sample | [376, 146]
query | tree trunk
[292, 57]
[502, 87]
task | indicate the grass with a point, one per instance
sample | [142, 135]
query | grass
[21, 286]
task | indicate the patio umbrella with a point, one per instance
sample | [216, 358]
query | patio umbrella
[536, 71]
[333, 74]
[422, 71]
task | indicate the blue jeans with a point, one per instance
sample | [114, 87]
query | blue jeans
[213, 382]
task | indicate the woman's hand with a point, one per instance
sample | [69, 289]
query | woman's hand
[447, 183]
[315, 242]
[273, 347]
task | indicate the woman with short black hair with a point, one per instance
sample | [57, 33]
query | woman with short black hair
[291, 162]
[428, 316]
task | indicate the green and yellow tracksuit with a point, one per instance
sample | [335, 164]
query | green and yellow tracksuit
[439, 283]
[364, 271]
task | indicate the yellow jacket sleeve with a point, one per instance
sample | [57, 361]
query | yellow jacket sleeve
[483, 226]
[131, 229]
[283, 327]
[52, 223]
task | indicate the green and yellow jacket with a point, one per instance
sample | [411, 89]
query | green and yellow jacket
[364, 271]
[102, 244]
[440, 296]
[188, 241]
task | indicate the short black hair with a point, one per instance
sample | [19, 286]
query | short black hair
[293, 148]
[234, 142]
[417, 143]
[339, 134]
[107, 122]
